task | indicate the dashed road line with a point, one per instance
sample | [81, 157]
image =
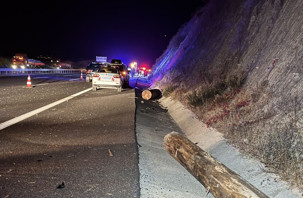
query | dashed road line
[41, 84]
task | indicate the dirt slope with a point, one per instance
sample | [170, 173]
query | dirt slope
[238, 66]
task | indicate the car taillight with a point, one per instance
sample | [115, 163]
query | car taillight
[96, 75]
[116, 76]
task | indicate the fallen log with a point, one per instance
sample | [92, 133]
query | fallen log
[217, 178]
[149, 94]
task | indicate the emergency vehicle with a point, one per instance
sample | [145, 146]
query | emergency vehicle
[19, 61]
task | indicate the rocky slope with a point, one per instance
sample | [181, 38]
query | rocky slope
[238, 66]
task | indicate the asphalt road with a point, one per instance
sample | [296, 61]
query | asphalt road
[87, 142]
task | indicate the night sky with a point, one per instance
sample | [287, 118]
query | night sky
[79, 30]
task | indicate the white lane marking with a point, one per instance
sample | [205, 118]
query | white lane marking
[41, 84]
[39, 110]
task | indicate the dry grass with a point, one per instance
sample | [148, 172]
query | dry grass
[260, 133]
[243, 115]
[168, 90]
[279, 146]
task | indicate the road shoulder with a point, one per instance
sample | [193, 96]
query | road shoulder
[160, 174]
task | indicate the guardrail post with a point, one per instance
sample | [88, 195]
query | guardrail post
[220, 180]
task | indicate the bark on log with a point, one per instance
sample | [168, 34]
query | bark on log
[221, 181]
[151, 94]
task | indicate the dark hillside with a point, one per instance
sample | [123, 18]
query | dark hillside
[238, 65]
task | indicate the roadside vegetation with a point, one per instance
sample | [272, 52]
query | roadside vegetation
[5, 62]
[237, 111]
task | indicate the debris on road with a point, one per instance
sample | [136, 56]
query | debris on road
[60, 186]
[151, 94]
[207, 170]
[110, 153]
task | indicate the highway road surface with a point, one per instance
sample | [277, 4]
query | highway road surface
[82, 146]
[61, 139]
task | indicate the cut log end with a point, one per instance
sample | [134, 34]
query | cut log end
[146, 94]
[151, 94]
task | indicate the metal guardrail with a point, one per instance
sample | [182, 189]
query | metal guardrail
[16, 72]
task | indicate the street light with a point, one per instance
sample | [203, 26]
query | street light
[133, 66]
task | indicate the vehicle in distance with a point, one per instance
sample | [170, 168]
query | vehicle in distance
[107, 77]
[92, 68]
[118, 64]
[116, 61]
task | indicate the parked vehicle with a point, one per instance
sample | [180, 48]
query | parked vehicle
[107, 77]
[116, 63]
[92, 68]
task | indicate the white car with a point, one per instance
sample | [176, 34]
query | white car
[107, 77]
[93, 68]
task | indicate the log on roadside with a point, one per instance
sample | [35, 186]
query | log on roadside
[220, 180]
[150, 94]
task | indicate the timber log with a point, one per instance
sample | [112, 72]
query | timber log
[150, 94]
[220, 180]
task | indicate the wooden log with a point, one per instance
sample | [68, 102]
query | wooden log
[220, 180]
[149, 94]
